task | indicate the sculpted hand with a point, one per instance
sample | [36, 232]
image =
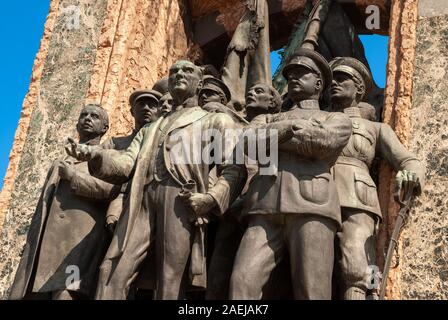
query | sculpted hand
[199, 203]
[300, 124]
[405, 180]
[66, 170]
[111, 223]
[78, 151]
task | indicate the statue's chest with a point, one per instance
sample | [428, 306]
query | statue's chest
[362, 143]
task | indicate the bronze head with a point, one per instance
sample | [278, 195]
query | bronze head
[308, 75]
[166, 104]
[145, 106]
[184, 81]
[351, 82]
[260, 99]
[213, 90]
[93, 123]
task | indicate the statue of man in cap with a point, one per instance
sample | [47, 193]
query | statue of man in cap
[175, 192]
[297, 208]
[360, 209]
[213, 90]
[67, 237]
[144, 109]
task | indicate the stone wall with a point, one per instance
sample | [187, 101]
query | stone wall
[416, 107]
[424, 265]
[397, 102]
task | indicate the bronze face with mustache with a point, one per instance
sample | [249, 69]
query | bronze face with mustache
[303, 83]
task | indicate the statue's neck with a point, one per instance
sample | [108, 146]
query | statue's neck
[91, 141]
[341, 106]
[188, 102]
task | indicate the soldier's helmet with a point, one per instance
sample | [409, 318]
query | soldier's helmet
[356, 69]
[312, 60]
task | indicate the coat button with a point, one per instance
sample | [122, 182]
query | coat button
[62, 215]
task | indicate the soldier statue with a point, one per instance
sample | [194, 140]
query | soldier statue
[213, 90]
[260, 99]
[297, 208]
[360, 209]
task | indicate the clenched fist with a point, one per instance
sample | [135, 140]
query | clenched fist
[66, 170]
[406, 180]
[199, 203]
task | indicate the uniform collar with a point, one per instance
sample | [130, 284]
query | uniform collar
[307, 105]
[352, 112]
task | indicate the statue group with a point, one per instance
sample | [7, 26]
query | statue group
[125, 216]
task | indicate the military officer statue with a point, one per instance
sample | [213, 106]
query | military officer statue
[296, 209]
[360, 210]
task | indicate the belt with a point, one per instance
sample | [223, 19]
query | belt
[352, 161]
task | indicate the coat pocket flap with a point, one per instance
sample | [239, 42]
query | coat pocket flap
[365, 179]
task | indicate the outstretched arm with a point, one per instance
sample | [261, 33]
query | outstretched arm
[112, 166]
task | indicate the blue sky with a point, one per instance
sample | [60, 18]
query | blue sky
[21, 28]
[376, 53]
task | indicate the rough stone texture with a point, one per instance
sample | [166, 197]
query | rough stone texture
[63, 85]
[27, 108]
[397, 103]
[424, 265]
[139, 53]
[416, 107]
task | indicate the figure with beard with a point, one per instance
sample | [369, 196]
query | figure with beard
[296, 209]
[358, 197]
[67, 237]
[175, 193]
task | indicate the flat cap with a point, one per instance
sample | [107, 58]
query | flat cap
[144, 93]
